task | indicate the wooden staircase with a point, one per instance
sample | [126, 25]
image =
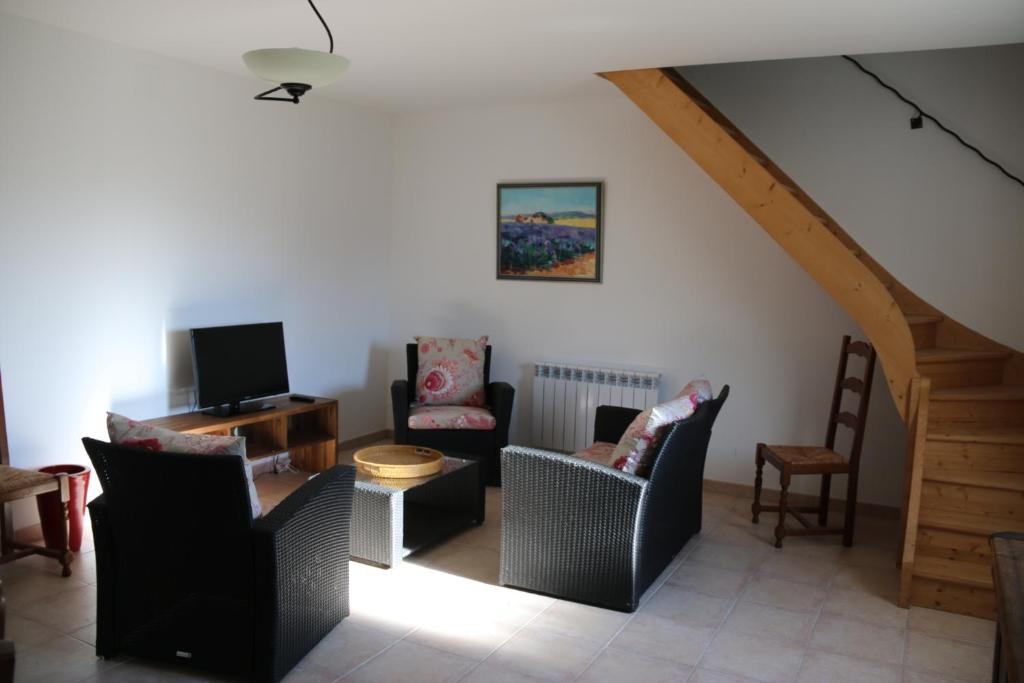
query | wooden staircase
[960, 394]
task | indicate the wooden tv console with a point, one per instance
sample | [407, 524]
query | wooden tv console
[307, 431]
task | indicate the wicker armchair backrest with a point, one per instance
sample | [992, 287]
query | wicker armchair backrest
[672, 506]
[178, 532]
[412, 362]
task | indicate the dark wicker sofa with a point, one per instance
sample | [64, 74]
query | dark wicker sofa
[186, 575]
[483, 445]
[590, 533]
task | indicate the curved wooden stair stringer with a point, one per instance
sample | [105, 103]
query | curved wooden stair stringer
[960, 393]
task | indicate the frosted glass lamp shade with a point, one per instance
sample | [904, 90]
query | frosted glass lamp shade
[295, 65]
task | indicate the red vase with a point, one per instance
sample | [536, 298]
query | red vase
[51, 517]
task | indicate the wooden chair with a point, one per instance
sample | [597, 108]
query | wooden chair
[795, 460]
[16, 484]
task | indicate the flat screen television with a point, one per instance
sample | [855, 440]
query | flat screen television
[237, 363]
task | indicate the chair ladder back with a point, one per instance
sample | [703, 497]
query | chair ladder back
[862, 408]
[858, 385]
[5, 455]
[6, 511]
[837, 395]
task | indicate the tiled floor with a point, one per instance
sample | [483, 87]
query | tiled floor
[730, 609]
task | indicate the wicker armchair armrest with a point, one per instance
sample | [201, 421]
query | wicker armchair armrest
[569, 526]
[301, 551]
[610, 422]
[106, 579]
[500, 396]
[400, 409]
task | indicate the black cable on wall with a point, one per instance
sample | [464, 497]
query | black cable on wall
[920, 114]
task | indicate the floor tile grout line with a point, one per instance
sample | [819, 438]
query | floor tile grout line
[721, 625]
[814, 626]
[366, 661]
[510, 637]
[654, 588]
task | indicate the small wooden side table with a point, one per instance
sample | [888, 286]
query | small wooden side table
[16, 484]
[1008, 581]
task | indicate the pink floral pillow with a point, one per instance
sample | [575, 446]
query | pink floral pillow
[636, 449]
[128, 432]
[450, 372]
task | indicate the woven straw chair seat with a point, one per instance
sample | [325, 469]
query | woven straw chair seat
[804, 457]
[13, 480]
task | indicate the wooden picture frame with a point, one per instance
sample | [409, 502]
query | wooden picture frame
[550, 231]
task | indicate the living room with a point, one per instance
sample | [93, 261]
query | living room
[144, 193]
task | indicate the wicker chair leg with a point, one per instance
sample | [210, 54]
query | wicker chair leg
[780, 529]
[755, 508]
[826, 484]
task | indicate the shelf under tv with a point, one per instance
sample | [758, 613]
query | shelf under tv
[308, 431]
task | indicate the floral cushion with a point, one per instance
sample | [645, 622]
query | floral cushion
[128, 432]
[636, 449]
[450, 417]
[450, 372]
[600, 452]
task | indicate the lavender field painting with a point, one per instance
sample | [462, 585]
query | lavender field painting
[549, 231]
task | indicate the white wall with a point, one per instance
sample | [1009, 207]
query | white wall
[691, 284]
[944, 222]
[139, 197]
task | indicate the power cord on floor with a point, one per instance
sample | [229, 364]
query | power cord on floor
[920, 114]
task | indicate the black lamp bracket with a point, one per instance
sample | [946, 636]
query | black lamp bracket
[296, 90]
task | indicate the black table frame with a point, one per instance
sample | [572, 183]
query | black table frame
[393, 518]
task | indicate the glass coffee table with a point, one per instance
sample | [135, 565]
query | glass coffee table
[392, 518]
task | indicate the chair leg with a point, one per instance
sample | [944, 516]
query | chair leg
[780, 529]
[755, 508]
[851, 509]
[826, 485]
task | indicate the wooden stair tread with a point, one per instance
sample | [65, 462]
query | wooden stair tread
[942, 355]
[1007, 436]
[1008, 481]
[967, 573]
[967, 523]
[922, 319]
[991, 392]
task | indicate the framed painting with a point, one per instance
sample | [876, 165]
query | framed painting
[549, 231]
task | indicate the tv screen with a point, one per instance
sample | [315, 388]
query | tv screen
[238, 362]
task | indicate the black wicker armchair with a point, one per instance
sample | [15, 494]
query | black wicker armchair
[185, 574]
[586, 532]
[484, 445]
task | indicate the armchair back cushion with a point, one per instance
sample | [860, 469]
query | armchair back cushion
[127, 432]
[450, 372]
[637, 447]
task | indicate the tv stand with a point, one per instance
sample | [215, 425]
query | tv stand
[231, 409]
[308, 432]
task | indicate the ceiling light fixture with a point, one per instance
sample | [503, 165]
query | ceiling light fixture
[294, 69]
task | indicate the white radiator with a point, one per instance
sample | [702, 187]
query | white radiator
[565, 398]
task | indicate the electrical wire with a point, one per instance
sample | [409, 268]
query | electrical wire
[326, 27]
[923, 114]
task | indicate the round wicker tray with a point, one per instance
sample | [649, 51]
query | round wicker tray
[398, 462]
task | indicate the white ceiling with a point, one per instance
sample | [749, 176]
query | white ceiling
[420, 54]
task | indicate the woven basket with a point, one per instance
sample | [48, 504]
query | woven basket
[398, 462]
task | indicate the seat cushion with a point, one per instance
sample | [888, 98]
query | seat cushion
[639, 443]
[128, 432]
[600, 452]
[450, 371]
[451, 417]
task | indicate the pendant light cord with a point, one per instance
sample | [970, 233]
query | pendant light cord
[923, 114]
[326, 27]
